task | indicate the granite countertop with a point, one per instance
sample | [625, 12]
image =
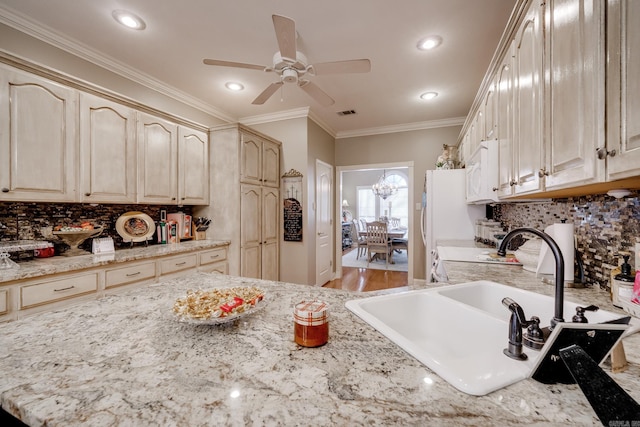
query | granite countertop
[63, 264]
[124, 360]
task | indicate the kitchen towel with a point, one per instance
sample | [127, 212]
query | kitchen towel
[562, 233]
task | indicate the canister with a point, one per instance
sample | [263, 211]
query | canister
[311, 323]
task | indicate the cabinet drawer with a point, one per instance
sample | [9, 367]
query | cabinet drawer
[134, 273]
[57, 290]
[214, 255]
[172, 265]
[4, 303]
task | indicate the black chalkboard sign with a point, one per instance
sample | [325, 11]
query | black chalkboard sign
[292, 220]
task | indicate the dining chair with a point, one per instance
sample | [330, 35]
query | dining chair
[377, 241]
[361, 240]
[394, 222]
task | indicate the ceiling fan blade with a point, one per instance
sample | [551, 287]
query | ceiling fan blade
[266, 94]
[234, 64]
[352, 66]
[316, 93]
[286, 35]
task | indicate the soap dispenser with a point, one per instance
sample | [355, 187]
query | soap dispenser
[622, 283]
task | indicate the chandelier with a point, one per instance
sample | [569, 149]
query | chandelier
[384, 189]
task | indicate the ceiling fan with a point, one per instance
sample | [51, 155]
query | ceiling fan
[291, 65]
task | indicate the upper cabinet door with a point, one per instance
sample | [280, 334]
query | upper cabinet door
[270, 164]
[623, 89]
[38, 139]
[108, 151]
[157, 160]
[250, 159]
[193, 168]
[575, 92]
[528, 103]
[504, 125]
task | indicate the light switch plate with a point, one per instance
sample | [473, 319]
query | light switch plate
[637, 257]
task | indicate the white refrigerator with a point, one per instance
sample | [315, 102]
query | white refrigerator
[445, 212]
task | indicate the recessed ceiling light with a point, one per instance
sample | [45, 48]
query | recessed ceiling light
[234, 86]
[129, 20]
[430, 42]
[428, 95]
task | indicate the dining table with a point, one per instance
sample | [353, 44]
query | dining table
[392, 233]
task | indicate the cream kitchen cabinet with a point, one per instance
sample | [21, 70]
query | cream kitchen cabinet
[259, 160]
[214, 260]
[504, 125]
[157, 160]
[173, 163]
[38, 138]
[528, 84]
[107, 151]
[259, 237]
[193, 167]
[49, 291]
[623, 103]
[133, 272]
[256, 203]
[575, 111]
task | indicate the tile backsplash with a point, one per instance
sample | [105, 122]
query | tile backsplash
[603, 227]
[22, 220]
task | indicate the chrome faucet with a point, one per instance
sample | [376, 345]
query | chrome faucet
[557, 254]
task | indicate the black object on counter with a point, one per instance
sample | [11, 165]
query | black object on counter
[609, 401]
[625, 271]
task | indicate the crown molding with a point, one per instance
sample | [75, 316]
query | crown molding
[19, 22]
[286, 115]
[432, 124]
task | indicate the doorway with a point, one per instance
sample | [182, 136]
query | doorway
[355, 200]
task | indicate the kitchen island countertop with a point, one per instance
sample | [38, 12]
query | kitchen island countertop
[124, 360]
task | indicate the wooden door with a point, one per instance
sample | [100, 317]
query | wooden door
[107, 151]
[270, 164]
[324, 223]
[38, 139]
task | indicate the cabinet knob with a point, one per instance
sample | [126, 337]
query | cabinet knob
[184, 198]
[5, 190]
[512, 182]
[495, 189]
[603, 153]
[87, 194]
[173, 198]
[542, 173]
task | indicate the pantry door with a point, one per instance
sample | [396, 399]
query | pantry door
[324, 233]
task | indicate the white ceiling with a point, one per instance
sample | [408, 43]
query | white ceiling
[180, 34]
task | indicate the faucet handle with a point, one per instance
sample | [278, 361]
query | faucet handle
[579, 317]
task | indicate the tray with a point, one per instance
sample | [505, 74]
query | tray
[222, 296]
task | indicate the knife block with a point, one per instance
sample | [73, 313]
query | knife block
[198, 235]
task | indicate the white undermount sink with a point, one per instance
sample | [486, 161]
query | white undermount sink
[460, 331]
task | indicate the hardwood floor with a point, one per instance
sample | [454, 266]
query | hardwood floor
[366, 280]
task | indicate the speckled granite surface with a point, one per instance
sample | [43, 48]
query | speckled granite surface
[63, 264]
[124, 360]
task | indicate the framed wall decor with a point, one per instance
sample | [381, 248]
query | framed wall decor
[292, 204]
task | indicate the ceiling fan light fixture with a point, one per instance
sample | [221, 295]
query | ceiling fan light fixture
[430, 42]
[234, 86]
[128, 19]
[429, 95]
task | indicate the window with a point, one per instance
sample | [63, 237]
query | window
[371, 207]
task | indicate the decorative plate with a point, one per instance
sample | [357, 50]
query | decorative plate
[218, 306]
[135, 226]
